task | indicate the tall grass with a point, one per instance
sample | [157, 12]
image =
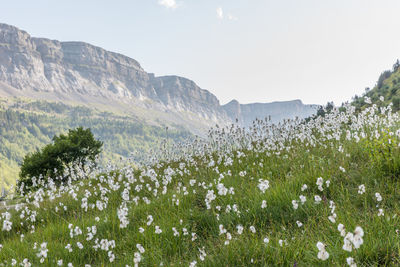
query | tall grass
[202, 194]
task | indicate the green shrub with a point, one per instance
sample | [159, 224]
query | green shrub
[77, 147]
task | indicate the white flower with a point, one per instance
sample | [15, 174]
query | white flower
[350, 261]
[157, 229]
[320, 245]
[149, 220]
[222, 230]
[79, 244]
[239, 229]
[378, 197]
[380, 212]
[266, 240]
[322, 253]
[304, 187]
[302, 199]
[359, 231]
[361, 189]
[320, 183]
[341, 229]
[203, 254]
[299, 224]
[295, 204]
[317, 199]
[140, 248]
[332, 218]
[348, 239]
[264, 204]
[263, 185]
[252, 229]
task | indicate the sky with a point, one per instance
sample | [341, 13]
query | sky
[248, 50]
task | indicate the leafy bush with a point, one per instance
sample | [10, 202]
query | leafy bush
[76, 147]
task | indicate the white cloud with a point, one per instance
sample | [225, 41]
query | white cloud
[220, 13]
[222, 16]
[232, 17]
[168, 3]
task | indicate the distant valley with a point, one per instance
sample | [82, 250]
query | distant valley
[47, 86]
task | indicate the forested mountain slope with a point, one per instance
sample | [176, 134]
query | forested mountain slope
[29, 125]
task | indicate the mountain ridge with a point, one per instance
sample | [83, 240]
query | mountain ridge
[80, 72]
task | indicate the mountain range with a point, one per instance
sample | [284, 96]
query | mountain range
[82, 74]
[48, 87]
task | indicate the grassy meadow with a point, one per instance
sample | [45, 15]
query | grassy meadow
[319, 193]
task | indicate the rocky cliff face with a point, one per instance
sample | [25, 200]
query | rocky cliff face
[86, 74]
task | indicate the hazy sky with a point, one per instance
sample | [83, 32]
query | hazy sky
[250, 50]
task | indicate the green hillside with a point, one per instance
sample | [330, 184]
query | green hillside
[387, 86]
[26, 126]
[320, 193]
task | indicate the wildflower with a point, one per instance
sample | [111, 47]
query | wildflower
[203, 254]
[347, 242]
[332, 217]
[317, 199]
[341, 229]
[357, 238]
[176, 233]
[304, 187]
[79, 244]
[378, 197]
[264, 204]
[299, 224]
[302, 199]
[157, 229]
[42, 252]
[295, 204]
[222, 230]
[111, 256]
[327, 182]
[149, 220]
[350, 261]
[361, 189]
[320, 183]
[228, 238]
[322, 253]
[239, 229]
[380, 212]
[252, 229]
[137, 258]
[266, 240]
[263, 185]
[69, 248]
